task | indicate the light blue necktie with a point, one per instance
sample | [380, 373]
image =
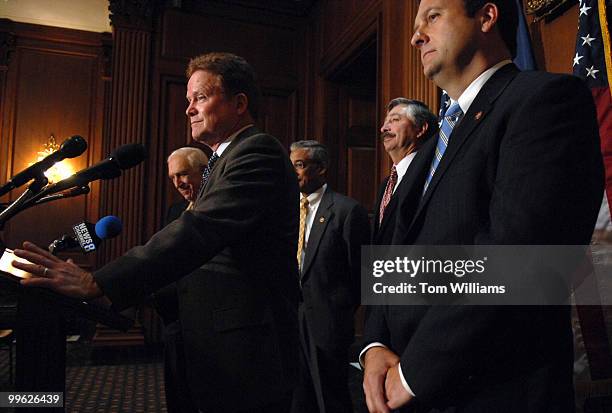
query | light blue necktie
[451, 118]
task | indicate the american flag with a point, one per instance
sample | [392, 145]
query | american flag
[592, 62]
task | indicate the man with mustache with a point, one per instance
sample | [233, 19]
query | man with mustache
[408, 124]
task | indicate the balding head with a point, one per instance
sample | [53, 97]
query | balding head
[185, 166]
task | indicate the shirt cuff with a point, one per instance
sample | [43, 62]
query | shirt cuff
[404, 382]
[366, 348]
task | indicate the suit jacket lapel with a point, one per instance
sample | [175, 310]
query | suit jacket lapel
[323, 216]
[479, 109]
[220, 164]
[410, 190]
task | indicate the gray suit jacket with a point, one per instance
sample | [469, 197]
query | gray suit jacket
[233, 256]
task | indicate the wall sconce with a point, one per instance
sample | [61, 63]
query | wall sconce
[60, 170]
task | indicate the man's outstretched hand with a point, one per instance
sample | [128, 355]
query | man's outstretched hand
[64, 277]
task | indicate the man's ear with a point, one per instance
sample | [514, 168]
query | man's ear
[422, 131]
[321, 171]
[489, 14]
[242, 103]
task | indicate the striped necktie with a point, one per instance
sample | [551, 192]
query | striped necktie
[450, 119]
[391, 182]
[206, 173]
[302, 233]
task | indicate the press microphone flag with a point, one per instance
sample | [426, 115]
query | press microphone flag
[88, 236]
[70, 148]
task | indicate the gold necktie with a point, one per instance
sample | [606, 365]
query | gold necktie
[302, 235]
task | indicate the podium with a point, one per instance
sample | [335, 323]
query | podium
[41, 333]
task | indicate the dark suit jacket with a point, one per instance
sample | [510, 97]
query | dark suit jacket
[166, 299]
[383, 232]
[331, 272]
[522, 167]
[175, 210]
[234, 259]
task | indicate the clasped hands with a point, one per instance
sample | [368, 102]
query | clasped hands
[382, 384]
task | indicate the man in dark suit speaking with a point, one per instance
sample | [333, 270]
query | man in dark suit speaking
[232, 255]
[333, 228]
[516, 161]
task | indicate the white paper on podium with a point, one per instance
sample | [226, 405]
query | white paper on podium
[6, 264]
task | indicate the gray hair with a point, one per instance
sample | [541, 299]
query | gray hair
[195, 157]
[419, 113]
[316, 150]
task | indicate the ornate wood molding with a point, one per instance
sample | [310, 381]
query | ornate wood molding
[135, 14]
[7, 47]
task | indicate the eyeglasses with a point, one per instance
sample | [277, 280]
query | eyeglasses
[303, 164]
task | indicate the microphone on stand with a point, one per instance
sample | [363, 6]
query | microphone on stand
[88, 236]
[124, 157]
[70, 148]
[76, 191]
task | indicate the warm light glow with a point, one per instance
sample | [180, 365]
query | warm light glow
[60, 170]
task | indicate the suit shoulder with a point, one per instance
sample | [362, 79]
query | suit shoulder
[532, 81]
[262, 140]
[347, 203]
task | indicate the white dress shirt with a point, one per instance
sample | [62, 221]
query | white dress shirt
[314, 200]
[402, 167]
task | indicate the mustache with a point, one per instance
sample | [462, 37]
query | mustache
[385, 134]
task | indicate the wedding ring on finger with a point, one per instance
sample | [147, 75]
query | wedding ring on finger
[45, 272]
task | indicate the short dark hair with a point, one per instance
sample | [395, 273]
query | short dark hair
[419, 113]
[316, 150]
[508, 19]
[237, 75]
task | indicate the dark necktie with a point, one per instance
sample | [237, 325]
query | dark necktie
[388, 193]
[206, 173]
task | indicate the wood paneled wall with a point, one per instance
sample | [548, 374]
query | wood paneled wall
[337, 33]
[554, 41]
[127, 122]
[52, 81]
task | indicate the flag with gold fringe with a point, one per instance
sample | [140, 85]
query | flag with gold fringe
[593, 63]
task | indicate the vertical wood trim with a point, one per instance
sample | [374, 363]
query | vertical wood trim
[127, 124]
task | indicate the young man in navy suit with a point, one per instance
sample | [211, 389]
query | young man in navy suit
[517, 162]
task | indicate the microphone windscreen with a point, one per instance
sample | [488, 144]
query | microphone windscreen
[129, 155]
[73, 147]
[108, 227]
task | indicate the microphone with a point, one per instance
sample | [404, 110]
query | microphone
[70, 148]
[76, 191]
[124, 157]
[88, 236]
